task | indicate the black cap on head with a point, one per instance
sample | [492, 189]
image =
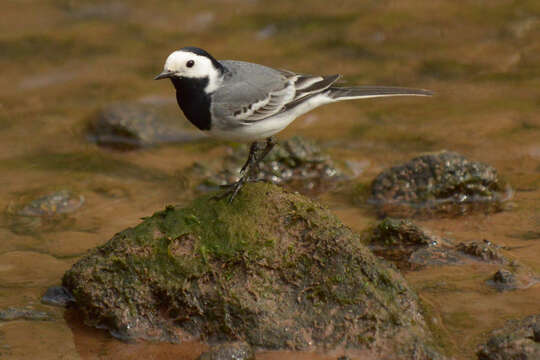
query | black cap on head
[201, 52]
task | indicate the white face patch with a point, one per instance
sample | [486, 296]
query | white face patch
[179, 62]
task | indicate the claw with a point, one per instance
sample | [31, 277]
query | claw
[247, 171]
[235, 191]
[232, 190]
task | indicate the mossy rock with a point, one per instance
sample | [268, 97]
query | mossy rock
[438, 183]
[296, 163]
[517, 339]
[398, 240]
[273, 268]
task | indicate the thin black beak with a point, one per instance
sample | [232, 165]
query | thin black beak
[164, 74]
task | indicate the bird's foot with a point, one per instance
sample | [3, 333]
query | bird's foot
[233, 189]
[248, 171]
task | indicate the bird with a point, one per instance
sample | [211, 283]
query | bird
[246, 102]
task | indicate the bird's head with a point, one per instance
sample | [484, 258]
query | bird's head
[191, 63]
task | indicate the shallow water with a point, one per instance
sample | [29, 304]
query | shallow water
[62, 60]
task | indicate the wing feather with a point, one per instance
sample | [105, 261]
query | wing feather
[296, 88]
[251, 92]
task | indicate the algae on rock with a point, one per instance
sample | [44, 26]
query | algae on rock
[438, 183]
[274, 269]
[298, 163]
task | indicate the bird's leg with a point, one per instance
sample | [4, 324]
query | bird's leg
[246, 172]
[270, 143]
[253, 149]
[249, 167]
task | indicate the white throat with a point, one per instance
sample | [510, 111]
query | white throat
[214, 82]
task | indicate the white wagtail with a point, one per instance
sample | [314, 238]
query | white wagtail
[246, 102]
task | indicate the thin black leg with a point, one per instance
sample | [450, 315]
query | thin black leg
[251, 164]
[253, 149]
[270, 143]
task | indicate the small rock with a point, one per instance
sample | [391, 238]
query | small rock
[443, 182]
[59, 202]
[520, 278]
[504, 276]
[46, 213]
[516, 340]
[12, 313]
[128, 126]
[296, 162]
[436, 256]
[503, 280]
[536, 332]
[407, 245]
[485, 250]
[229, 351]
[57, 296]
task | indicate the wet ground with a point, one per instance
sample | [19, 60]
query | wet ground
[63, 60]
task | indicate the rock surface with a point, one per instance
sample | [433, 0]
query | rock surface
[409, 246]
[229, 351]
[443, 182]
[519, 278]
[12, 313]
[484, 250]
[296, 162]
[57, 296]
[516, 340]
[127, 126]
[44, 213]
[56, 203]
[273, 269]
[503, 280]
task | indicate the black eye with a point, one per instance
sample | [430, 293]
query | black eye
[190, 63]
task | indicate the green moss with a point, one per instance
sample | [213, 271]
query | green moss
[243, 270]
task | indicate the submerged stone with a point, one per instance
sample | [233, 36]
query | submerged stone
[412, 247]
[12, 313]
[229, 351]
[484, 250]
[519, 278]
[57, 296]
[297, 162]
[273, 268]
[503, 280]
[409, 246]
[516, 340]
[127, 126]
[56, 203]
[443, 182]
[45, 213]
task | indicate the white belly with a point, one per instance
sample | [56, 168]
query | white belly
[265, 128]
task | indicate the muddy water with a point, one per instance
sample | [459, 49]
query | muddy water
[61, 60]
